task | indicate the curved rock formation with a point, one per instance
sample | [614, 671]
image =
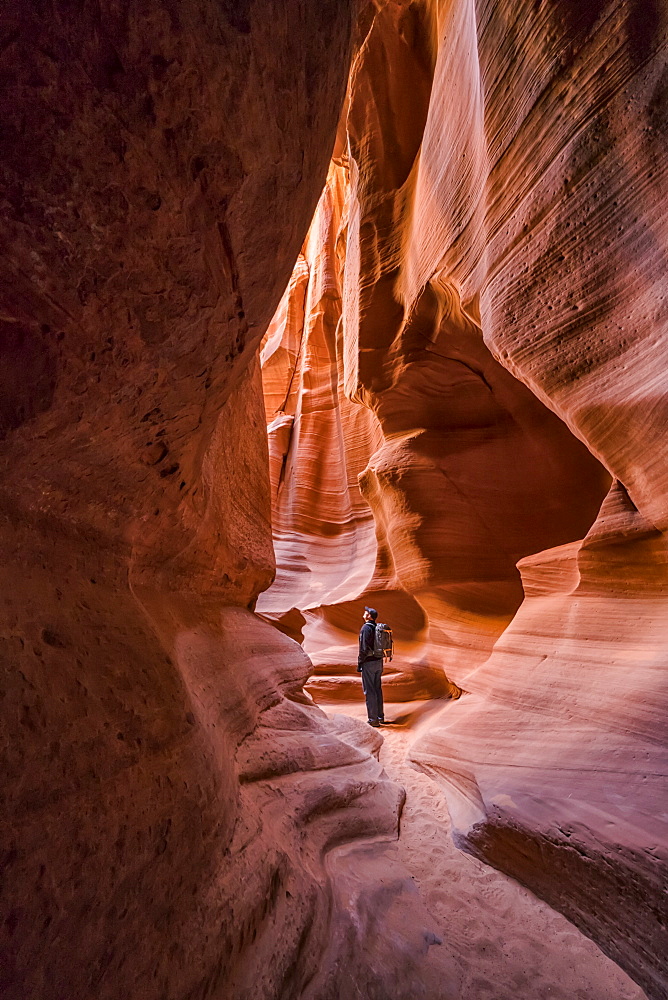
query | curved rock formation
[475, 472]
[160, 166]
[328, 546]
[475, 328]
[503, 319]
[554, 768]
[527, 202]
[319, 442]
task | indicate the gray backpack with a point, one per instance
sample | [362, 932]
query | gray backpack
[383, 644]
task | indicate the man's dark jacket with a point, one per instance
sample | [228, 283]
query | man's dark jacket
[367, 636]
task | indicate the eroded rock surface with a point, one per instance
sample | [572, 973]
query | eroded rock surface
[531, 194]
[503, 319]
[319, 442]
[476, 326]
[563, 785]
[160, 167]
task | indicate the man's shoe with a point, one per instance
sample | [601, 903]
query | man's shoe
[373, 722]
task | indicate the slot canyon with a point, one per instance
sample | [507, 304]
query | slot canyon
[309, 307]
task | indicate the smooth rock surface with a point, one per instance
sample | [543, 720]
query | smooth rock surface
[503, 318]
[319, 443]
[172, 803]
[498, 939]
[470, 350]
[527, 203]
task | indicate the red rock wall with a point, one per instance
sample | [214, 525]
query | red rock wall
[164, 805]
[475, 472]
[319, 443]
[332, 554]
[527, 203]
[503, 320]
[564, 727]
[160, 166]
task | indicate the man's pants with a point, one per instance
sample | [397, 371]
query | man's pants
[371, 673]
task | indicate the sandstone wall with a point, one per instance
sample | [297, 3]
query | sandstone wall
[160, 167]
[498, 268]
[319, 443]
[503, 319]
[510, 217]
[332, 551]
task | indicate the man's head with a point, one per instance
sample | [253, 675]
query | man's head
[370, 614]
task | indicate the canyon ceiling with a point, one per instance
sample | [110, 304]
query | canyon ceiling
[387, 280]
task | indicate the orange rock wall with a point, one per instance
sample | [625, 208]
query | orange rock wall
[319, 443]
[527, 204]
[503, 320]
[474, 472]
[332, 553]
[160, 167]
[498, 266]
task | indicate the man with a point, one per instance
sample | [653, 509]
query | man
[371, 669]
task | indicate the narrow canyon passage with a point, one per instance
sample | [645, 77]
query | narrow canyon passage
[306, 307]
[499, 940]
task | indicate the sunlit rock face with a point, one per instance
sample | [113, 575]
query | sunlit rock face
[520, 196]
[329, 550]
[319, 442]
[166, 829]
[464, 470]
[475, 472]
[503, 320]
[332, 556]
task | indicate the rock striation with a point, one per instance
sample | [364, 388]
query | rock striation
[160, 167]
[503, 320]
[465, 388]
[530, 194]
[319, 442]
[562, 785]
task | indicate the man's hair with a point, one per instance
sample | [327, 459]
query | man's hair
[372, 612]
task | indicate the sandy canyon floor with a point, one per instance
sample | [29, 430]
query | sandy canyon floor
[501, 941]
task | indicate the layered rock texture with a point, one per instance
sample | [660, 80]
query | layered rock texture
[329, 548]
[502, 265]
[319, 442]
[465, 388]
[160, 167]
